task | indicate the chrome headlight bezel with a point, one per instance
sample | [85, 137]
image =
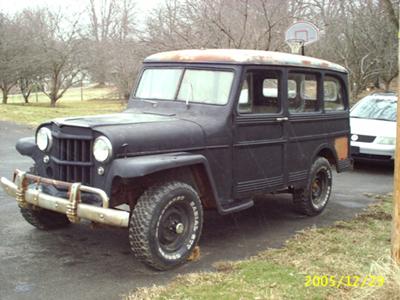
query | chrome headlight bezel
[44, 139]
[102, 149]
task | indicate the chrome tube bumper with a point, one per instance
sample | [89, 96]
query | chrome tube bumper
[72, 207]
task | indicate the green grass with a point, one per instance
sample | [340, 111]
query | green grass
[96, 101]
[358, 247]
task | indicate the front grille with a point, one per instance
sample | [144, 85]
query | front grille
[366, 138]
[73, 159]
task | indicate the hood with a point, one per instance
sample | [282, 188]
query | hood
[373, 127]
[123, 118]
[138, 133]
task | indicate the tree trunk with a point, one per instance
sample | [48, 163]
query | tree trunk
[376, 83]
[25, 86]
[53, 101]
[386, 85]
[5, 95]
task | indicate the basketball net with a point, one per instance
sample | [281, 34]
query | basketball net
[295, 46]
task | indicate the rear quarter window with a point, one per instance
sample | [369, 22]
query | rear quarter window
[333, 94]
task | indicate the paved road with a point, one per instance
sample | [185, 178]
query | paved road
[85, 263]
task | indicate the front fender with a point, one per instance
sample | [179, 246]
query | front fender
[26, 146]
[139, 166]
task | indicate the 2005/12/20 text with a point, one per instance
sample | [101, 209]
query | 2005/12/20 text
[344, 281]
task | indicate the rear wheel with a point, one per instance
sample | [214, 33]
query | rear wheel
[312, 199]
[166, 224]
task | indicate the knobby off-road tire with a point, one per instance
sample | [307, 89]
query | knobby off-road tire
[313, 199]
[44, 219]
[166, 224]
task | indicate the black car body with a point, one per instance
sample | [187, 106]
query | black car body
[279, 125]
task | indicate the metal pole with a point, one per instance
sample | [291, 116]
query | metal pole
[396, 187]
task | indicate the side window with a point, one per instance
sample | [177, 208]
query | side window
[292, 89]
[260, 92]
[270, 87]
[302, 92]
[333, 94]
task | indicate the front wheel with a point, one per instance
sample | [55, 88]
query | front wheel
[44, 219]
[166, 224]
[312, 199]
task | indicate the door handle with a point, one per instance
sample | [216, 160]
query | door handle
[282, 119]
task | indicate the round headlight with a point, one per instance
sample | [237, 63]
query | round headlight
[44, 139]
[102, 149]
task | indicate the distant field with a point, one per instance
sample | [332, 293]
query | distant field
[72, 94]
[96, 101]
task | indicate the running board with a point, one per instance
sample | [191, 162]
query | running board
[236, 206]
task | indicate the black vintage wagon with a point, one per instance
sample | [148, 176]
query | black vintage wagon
[204, 129]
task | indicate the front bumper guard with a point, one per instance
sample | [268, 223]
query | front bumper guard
[71, 207]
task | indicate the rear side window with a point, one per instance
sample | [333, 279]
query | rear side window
[260, 92]
[302, 92]
[333, 94]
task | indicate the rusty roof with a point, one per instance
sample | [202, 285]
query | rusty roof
[240, 56]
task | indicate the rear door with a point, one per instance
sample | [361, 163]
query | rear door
[259, 141]
[306, 130]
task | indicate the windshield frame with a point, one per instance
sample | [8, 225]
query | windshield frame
[185, 67]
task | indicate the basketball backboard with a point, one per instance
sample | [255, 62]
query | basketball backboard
[302, 31]
[300, 34]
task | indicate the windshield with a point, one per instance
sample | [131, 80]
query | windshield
[375, 108]
[202, 86]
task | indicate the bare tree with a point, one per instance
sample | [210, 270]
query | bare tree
[392, 11]
[42, 45]
[10, 53]
[30, 62]
[61, 51]
[358, 35]
[256, 24]
[388, 58]
[110, 21]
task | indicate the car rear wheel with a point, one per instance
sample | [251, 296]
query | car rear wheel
[166, 224]
[313, 199]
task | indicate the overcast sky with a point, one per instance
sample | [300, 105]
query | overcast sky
[12, 6]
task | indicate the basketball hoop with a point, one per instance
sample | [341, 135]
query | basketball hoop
[295, 46]
[301, 34]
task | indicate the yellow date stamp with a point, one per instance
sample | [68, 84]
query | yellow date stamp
[344, 281]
